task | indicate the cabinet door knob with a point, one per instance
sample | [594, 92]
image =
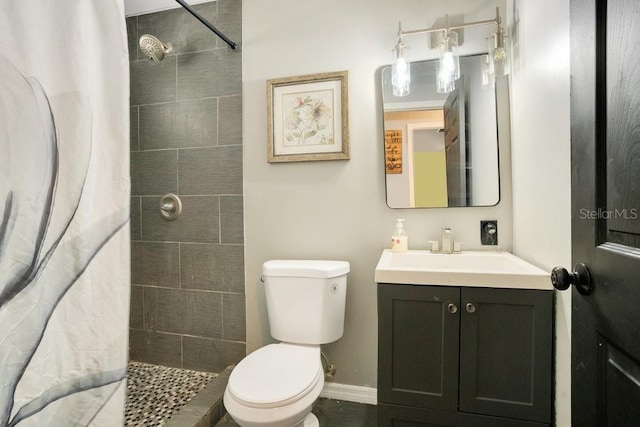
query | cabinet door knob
[471, 308]
[452, 308]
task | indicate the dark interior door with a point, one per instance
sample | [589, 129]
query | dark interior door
[455, 146]
[605, 134]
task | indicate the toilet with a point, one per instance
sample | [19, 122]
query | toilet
[277, 385]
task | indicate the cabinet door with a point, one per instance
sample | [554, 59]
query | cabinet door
[418, 345]
[506, 353]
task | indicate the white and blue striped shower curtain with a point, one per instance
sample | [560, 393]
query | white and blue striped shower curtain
[64, 212]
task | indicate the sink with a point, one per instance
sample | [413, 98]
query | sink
[470, 268]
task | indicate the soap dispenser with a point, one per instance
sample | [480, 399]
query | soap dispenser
[399, 238]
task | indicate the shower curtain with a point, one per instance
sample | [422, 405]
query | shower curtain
[64, 212]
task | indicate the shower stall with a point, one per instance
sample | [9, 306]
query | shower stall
[187, 292]
[187, 300]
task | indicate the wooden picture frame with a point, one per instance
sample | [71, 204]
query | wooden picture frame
[308, 118]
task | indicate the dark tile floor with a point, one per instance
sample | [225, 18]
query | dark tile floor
[333, 413]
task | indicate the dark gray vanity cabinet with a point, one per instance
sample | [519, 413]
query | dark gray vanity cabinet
[464, 356]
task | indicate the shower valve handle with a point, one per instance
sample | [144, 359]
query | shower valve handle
[170, 206]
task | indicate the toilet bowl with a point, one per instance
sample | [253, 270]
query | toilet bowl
[276, 386]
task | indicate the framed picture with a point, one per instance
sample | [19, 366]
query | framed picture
[393, 151]
[308, 118]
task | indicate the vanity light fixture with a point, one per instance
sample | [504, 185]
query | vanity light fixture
[401, 68]
[498, 54]
[449, 65]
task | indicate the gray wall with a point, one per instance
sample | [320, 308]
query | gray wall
[187, 294]
[541, 156]
[337, 209]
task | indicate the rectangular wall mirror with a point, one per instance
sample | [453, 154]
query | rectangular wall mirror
[441, 149]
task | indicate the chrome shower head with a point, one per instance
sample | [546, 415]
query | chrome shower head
[153, 48]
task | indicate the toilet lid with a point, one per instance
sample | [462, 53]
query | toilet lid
[275, 375]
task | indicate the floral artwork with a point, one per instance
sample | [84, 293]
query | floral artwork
[309, 120]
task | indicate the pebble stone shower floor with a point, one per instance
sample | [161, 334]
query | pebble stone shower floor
[155, 393]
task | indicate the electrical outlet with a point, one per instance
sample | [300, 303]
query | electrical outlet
[489, 232]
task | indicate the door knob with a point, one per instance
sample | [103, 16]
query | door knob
[580, 278]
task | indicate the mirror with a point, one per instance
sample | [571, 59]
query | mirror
[441, 149]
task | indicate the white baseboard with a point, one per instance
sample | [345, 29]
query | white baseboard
[350, 393]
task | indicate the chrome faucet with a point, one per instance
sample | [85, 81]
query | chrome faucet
[446, 245]
[445, 240]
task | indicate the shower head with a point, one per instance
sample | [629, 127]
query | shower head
[153, 48]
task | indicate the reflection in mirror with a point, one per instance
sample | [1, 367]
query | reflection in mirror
[441, 149]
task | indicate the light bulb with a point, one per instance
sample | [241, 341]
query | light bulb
[487, 72]
[402, 79]
[401, 69]
[499, 53]
[449, 63]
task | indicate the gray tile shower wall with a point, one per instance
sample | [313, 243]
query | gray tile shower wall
[187, 296]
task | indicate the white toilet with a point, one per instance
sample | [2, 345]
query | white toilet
[277, 385]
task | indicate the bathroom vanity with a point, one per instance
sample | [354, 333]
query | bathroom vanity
[463, 340]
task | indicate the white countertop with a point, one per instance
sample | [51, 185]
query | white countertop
[491, 269]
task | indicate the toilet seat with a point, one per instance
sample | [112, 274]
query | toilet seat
[276, 375]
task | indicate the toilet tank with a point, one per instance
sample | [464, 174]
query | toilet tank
[305, 299]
